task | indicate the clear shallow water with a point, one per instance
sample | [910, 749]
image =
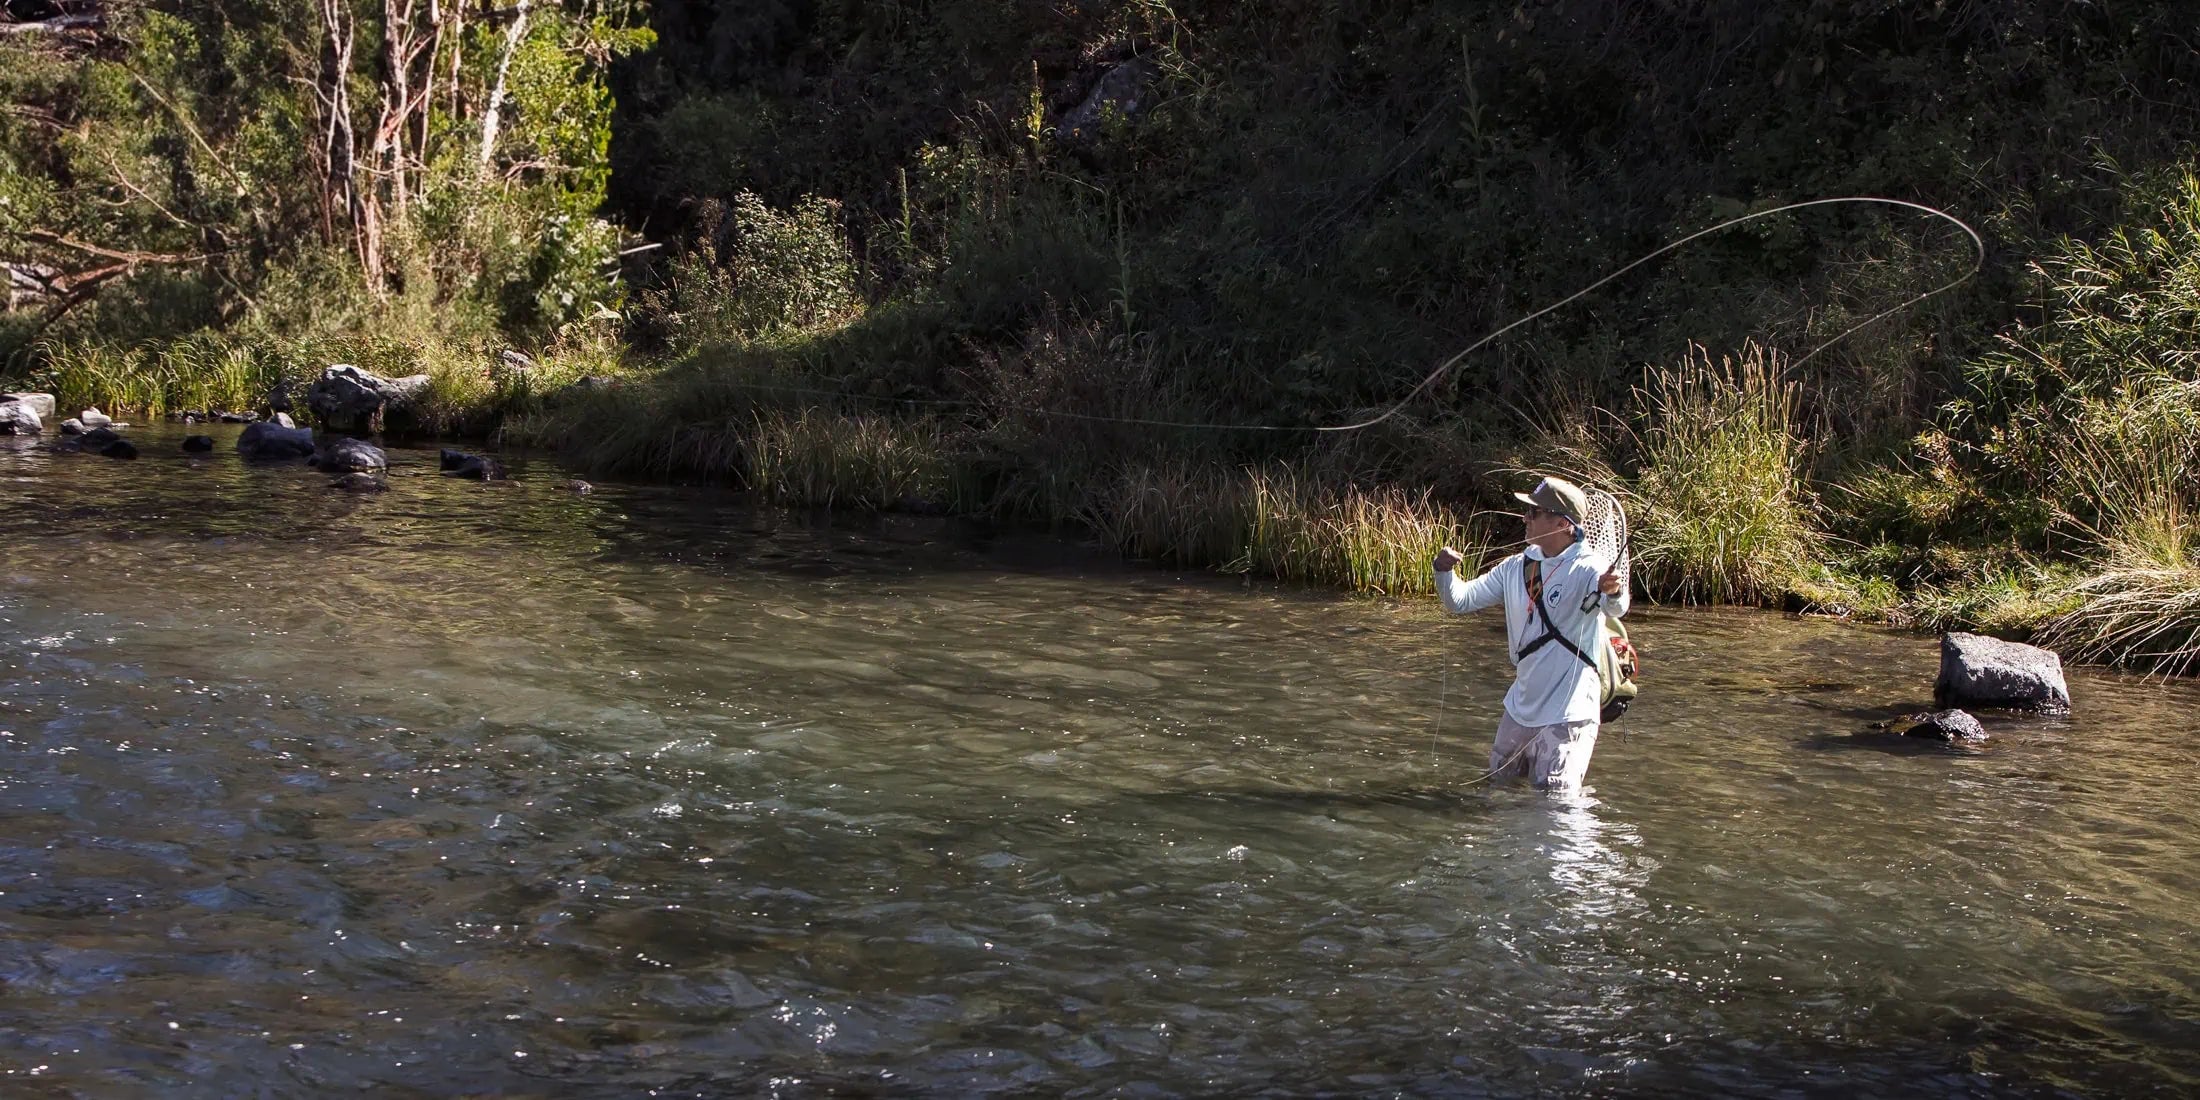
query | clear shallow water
[480, 789]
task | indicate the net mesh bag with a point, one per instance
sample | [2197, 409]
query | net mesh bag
[1605, 530]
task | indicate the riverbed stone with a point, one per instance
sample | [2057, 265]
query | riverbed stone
[119, 448]
[95, 439]
[346, 453]
[72, 426]
[477, 467]
[265, 440]
[18, 418]
[1940, 725]
[199, 444]
[40, 403]
[93, 418]
[1979, 671]
[360, 481]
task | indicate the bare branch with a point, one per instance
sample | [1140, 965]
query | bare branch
[492, 114]
[80, 24]
[126, 257]
[185, 122]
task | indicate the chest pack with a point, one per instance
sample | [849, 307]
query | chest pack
[1615, 660]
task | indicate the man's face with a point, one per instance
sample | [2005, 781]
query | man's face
[1542, 523]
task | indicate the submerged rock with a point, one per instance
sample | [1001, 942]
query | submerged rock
[360, 482]
[579, 487]
[265, 440]
[199, 443]
[98, 438]
[119, 448]
[1978, 671]
[345, 453]
[477, 467]
[1944, 725]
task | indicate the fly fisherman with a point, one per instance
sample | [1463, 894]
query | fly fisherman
[1555, 592]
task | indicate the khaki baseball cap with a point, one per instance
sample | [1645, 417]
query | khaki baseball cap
[1557, 495]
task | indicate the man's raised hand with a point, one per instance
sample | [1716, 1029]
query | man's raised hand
[1447, 559]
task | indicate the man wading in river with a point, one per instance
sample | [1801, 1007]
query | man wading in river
[1555, 592]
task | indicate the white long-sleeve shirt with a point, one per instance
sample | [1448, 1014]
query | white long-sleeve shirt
[1551, 685]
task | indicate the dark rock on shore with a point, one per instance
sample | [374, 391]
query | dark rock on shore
[346, 398]
[265, 440]
[18, 418]
[1978, 671]
[40, 403]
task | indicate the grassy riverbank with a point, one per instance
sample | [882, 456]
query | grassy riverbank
[945, 259]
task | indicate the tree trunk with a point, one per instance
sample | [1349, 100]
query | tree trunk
[492, 114]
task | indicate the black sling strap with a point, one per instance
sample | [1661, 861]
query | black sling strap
[1531, 571]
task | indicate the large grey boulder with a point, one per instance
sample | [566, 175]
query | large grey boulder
[40, 403]
[19, 418]
[1978, 671]
[348, 454]
[346, 398]
[265, 440]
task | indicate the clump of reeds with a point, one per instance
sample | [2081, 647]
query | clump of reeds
[1720, 510]
[1275, 522]
[205, 372]
[817, 458]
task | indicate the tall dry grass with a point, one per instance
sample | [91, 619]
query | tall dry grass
[1276, 522]
[1720, 509]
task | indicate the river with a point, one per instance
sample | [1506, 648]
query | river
[469, 788]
